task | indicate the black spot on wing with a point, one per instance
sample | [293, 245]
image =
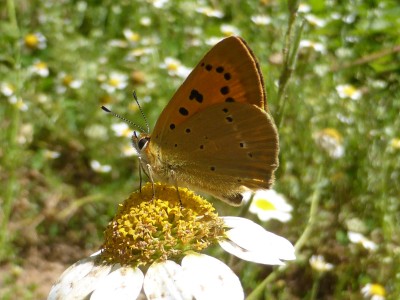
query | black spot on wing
[183, 111]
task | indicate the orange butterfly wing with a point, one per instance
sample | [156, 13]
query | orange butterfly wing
[224, 150]
[215, 135]
[229, 72]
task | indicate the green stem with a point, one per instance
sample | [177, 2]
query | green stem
[10, 158]
[12, 15]
[314, 290]
[290, 51]
[313, 214]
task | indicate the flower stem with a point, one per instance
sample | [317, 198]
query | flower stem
[313, 214]
[314, 289]
[290, 51]
[11, 156]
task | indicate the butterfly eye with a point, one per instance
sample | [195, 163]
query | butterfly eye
[143, 142]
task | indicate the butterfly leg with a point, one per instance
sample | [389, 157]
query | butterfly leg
[150, 174]
[173, 175]
[140, 175]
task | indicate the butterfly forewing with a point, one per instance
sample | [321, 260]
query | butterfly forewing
[227, 73]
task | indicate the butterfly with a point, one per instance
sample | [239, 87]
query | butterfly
[215, 135]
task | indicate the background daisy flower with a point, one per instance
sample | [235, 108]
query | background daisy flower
[331, 141]
[374, 291]
[175, 67]
[115, 81]
[99, 168]
[319, 264]
[210, 12]
[348, 91]
[35, 41]
[268, 204]
[358, 238]
[40, 68]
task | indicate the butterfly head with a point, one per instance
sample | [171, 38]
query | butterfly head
[140, 141]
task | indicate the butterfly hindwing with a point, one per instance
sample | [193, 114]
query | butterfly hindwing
[232, 145]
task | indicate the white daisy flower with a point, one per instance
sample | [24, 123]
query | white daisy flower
[49, 154]
[358, 238]
[99, 168]
[7, 89]
[116, 81]
[304, 8]
[331, 141]
[138, 53]
[348, 91]
[158, 3]
[128, 150]
[211, 41]
[313, 20]
[268, 204]
[313, 45]
[67, 81]
[18, 102]
[145, 21]
[151, 250]
[261, 20]
[175, 67]
[210, 12]
[132, 37]
[318, 263]
[122, 129]
[40, 68]
[35, 41]
[229, 30]
[374, 291]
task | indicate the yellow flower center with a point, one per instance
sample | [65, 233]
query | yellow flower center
[332, 133]
[114, 82]
[40, 65]
[395, 143]
[173, 66]
[146, 230]
[264, 204]
[133, 37]
[67, 79]
[31, 41]
[377, 289]
[349, 90]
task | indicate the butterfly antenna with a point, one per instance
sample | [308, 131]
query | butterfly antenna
[141, 111]
[122, 118]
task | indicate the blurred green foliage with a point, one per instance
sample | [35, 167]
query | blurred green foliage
[53, 128]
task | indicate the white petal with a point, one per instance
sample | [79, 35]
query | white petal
[254, 243]
[79, 280]
[268, 215]
[209, 278]
[166, 281]
[355, 237]
[256, 257]
[123, 283]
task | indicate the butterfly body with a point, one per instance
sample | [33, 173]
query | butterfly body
[215, 135]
